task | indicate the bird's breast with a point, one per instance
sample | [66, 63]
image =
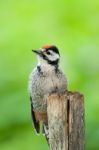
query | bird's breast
[52, 83]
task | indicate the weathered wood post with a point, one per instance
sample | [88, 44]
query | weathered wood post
[66, 121]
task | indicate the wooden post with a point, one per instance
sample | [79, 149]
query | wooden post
[66, 121]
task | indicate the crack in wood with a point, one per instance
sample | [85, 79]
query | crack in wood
[68, 111]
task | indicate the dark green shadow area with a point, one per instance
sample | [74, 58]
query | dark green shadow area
[21, 137]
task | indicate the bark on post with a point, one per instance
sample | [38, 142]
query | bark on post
[66, 121]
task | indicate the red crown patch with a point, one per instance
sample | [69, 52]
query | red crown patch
[47, 46]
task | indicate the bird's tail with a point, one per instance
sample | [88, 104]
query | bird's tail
[46, 132]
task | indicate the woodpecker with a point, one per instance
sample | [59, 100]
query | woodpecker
[45, 79]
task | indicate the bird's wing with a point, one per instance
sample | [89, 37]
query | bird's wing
[35, 122]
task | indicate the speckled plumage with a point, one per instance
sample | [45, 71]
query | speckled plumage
[43, 83]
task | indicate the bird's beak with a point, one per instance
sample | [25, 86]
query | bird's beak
[38, 52]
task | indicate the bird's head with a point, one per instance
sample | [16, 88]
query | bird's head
[48, 54]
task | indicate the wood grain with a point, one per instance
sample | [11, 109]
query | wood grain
[66, 121]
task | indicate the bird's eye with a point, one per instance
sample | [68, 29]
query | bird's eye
[48, 53]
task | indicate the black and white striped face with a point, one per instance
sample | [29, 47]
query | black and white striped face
[50, 54]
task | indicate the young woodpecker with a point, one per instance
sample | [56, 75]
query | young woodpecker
[45, 79]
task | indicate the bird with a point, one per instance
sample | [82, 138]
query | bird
[46, 78]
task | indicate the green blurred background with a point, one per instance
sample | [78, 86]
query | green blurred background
[73, 26]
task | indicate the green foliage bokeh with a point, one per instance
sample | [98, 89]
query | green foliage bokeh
[26, 24]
